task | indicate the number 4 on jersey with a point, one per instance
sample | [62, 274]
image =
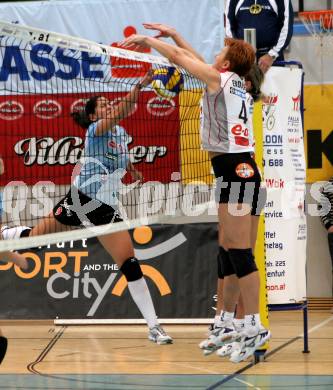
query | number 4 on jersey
[243, 114]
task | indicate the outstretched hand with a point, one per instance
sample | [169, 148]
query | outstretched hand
[135, 40]
[164, 31]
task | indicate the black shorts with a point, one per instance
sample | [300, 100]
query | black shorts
[239, 181]
[67, 214]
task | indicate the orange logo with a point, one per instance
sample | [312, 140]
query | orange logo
[152, 273]
[244, 170]
[143, 235]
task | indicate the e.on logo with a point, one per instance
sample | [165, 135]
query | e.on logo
[47, 109]
[11, 110]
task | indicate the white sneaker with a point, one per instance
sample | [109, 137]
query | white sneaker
[228, 349]
[9, 233]
[249, 344]
[218, 337]
[159, 336]
[203, 344]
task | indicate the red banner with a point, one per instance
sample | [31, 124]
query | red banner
[40, 140]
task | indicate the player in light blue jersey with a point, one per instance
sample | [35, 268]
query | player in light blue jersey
[92, 198]
[105, 162]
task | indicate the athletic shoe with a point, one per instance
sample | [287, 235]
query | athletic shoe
[219, 337]
[9, 233]
[203, 343]
[3, 347]
[249, 344]
[228, 349]
[159, 336]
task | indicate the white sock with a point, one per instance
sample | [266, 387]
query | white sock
[15, 232]
[252, 324]
[217, 320]
[227, 317]
[239, 324]
[141, 296]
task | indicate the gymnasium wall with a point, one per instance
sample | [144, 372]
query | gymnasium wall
[318, 91]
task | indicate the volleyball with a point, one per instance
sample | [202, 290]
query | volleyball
[167, 82]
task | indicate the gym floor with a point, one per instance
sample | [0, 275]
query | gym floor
[44, 356]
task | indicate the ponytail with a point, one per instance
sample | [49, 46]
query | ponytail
[81, 118]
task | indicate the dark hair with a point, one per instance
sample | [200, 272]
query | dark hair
[256, 77]
[82, 117]
[241, 56]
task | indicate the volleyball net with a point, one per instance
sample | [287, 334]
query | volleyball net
[45, 78]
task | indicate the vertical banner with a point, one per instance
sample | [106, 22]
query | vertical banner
[284, 162]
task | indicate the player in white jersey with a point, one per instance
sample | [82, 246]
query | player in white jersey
[253, 81]
[105, 155]
[227, 138]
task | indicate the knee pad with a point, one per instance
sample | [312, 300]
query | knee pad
[131, 269]
[226, 267]
[242, 261]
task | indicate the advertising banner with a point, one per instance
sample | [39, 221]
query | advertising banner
[110, 21]
[284, 172]
[42, 141]
[79, 280]
[318, 125]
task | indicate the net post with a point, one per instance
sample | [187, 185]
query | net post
[250, 36]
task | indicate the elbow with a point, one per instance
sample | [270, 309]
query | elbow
[176, 55]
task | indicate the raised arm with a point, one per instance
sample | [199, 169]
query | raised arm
[179, 56]
[123, 109]
[170, 32]
[2, 166]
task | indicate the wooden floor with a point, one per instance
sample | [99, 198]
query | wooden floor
[41, 350]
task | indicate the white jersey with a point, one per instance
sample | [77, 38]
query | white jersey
[227, 124]
[249, 109]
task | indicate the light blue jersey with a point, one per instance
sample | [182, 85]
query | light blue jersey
[105, 163]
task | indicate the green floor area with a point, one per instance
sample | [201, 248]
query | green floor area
[166, 382]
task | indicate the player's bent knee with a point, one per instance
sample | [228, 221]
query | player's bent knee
[225, 264]
[242, 261]
[131, 269]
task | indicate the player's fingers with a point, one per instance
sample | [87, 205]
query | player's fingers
[127, 43]
[151, 26]
[148, 26]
